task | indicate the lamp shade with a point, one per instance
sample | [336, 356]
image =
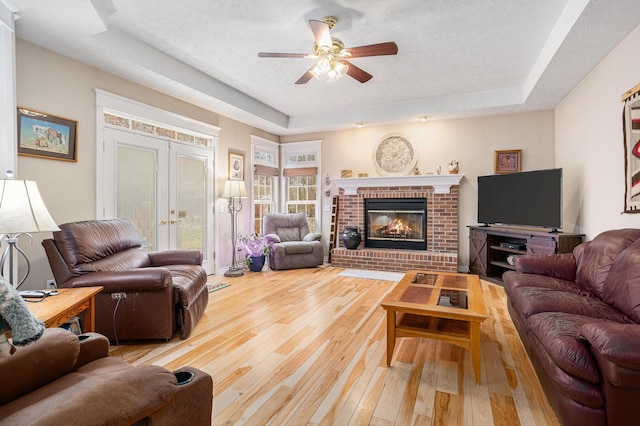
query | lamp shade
[22, 208]
[234, 188]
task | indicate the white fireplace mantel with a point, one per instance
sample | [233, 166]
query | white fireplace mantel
[441, 183]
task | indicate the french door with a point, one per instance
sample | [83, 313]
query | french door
[164, 188]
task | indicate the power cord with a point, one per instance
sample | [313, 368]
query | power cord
[118, 296]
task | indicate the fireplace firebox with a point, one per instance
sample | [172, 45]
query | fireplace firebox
[396, 223]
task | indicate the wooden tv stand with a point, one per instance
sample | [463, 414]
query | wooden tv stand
[488, 254]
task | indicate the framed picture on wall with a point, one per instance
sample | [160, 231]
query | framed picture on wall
[236, 166]
[508, 161]
[46, 136]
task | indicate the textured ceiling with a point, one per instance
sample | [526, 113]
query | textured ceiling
[455, 57]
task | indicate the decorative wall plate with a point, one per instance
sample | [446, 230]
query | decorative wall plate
[394, 156]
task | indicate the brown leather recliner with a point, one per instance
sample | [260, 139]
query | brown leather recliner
[165, 291]
[64, 379]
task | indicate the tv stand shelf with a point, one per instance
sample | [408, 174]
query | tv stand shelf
[488, 254]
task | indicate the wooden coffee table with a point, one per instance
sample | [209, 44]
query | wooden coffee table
[69, 302]
[437, 305]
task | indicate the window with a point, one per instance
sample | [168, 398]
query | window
[263, 200]
[301, 197]
[265, 180]
[301, 184]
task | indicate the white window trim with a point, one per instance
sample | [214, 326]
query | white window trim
[306, 147]
[261, 144]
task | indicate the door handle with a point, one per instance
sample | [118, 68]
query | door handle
[163, 222]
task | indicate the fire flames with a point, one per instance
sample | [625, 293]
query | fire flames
[397, 228]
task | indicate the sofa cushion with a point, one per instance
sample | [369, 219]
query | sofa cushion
[513, 280]
[557, 333]
[297, 247]
[622, 285]
[557, 382]
[595, 258]
[119, 397]
[532, 300]
[39, 363]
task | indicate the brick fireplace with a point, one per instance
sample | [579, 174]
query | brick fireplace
[441, 193]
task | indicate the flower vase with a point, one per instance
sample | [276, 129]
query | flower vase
[256, 263]
[351, 238]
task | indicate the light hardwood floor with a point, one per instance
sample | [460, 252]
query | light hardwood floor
[308, 347]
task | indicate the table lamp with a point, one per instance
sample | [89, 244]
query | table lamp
[22, 212]
[234, 189]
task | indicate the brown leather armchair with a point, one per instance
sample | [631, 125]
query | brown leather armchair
[165, 291]
[64, 379]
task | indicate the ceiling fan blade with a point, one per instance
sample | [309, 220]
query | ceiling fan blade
[389, 48]
[305, 77]
[321, 33]
[358, 73]
[282, 55]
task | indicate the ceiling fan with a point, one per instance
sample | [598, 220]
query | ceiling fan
[332, 55]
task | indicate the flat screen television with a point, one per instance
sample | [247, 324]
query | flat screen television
[526, 198]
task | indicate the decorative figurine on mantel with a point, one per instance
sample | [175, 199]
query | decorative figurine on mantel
[453, 167]
[417, 172]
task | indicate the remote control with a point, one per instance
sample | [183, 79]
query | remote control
[28, 293]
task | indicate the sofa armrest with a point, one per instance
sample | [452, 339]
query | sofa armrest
[617, 343]
[561, 266]
[92, 346]
[193, 401]
[125, 281]
[175, 257]
[312, 236]
[272, 238]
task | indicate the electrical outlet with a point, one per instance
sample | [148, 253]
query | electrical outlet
[121, 295]
[51, 284]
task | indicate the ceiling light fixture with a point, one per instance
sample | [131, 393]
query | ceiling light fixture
[330, 62]
[423, 118]
[360, 124]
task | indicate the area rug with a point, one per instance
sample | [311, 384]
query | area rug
[215, 287]
[372, 275]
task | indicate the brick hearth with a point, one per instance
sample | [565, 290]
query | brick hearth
[442, 223]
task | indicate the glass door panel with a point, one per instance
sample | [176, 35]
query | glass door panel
[136, 191]
[191, 203]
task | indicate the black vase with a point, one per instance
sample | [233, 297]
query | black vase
[351, 238]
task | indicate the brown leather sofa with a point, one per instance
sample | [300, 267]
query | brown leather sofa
[165, 291]
[578, 316]
[292, 245]
[61, 380]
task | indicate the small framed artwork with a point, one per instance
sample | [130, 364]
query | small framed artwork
[236, 166]
[46, 136]
[509, 161]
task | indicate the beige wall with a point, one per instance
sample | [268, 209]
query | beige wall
[471, 141]
[589, 143]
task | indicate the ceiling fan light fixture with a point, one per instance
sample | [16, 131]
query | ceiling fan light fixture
[315, 71]
[332, 76]
[341, 68]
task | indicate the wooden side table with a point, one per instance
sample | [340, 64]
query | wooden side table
[69, 302]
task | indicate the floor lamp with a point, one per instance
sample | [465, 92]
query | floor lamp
[234, 189]
[21, 211]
